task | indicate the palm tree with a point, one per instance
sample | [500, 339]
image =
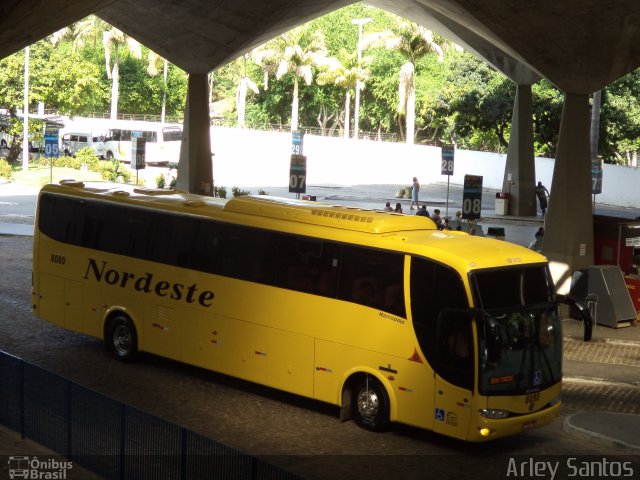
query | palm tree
[295, 54]
[78, 33]
[347, 74]
[413, 42]
[152, 69]
[116, 45]
[244, 85]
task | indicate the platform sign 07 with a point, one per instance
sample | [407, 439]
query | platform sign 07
[298, 174]
[472, 197]
[446, 167]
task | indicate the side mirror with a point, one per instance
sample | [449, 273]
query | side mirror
[582, 308]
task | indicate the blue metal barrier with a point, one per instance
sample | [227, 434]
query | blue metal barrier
[110, 438]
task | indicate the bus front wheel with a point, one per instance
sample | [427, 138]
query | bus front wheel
[122, 339]
[370, 404]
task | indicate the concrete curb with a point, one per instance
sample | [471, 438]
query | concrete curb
[620, 420]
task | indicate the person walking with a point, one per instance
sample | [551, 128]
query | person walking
[542, 193]
[414, 193]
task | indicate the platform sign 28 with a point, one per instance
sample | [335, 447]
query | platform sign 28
[472, 197]
[447, 160]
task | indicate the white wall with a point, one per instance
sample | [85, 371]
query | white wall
[250, 158]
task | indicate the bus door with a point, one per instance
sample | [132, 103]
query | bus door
[454, 373]
[61, 301]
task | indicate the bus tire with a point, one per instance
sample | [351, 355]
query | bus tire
[370, 404]
[109, 155]
[121, 338]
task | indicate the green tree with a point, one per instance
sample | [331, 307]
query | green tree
[153, 68]
[297, 52]
[414, 42]
[347, 73]
[117, 46]
[620, 120]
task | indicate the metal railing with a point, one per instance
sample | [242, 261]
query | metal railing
[110, 438]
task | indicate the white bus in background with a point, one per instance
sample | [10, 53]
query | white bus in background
[162, 141]
[72, 142]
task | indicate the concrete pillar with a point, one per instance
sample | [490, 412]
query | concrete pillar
[195, 173]
[568, 238]
[520, 169]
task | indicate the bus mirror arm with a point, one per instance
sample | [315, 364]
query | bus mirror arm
[493, 337]
[581, 307]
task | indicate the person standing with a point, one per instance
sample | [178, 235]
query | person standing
[542, 193]
[414, 193]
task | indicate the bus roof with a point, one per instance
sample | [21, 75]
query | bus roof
[256, 206]
[410, 233]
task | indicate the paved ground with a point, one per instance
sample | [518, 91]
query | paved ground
[306, 436]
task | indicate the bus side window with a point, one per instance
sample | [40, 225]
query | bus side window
[433, 288]
[371, 277]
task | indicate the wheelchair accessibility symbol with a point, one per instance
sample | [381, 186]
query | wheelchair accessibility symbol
[440, 414]
[537, 377]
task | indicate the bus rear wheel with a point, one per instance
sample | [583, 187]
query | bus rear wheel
[122, 339]
[370, 405]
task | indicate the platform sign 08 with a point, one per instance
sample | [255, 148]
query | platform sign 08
[472, 197]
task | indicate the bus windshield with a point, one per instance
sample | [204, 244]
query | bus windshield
[520, 340]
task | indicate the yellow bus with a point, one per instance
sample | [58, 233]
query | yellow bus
[378, 313]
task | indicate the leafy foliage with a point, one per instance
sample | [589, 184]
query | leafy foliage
[460, 99]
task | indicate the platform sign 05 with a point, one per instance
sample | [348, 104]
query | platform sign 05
[472, 197]
[446, 167]
[51, 141]
[298, 174]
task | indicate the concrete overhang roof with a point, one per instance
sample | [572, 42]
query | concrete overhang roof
[578, 45]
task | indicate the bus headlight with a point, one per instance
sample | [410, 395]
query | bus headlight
[493, 414]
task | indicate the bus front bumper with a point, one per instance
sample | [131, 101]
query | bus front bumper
[489, 429]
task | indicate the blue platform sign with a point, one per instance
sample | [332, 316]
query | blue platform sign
[51, 142]
[472, 197]
[297, 137]
[596, 175]
[446, 167]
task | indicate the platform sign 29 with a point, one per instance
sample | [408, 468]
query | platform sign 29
[472, 197]
[298, 174]
[297, 139]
